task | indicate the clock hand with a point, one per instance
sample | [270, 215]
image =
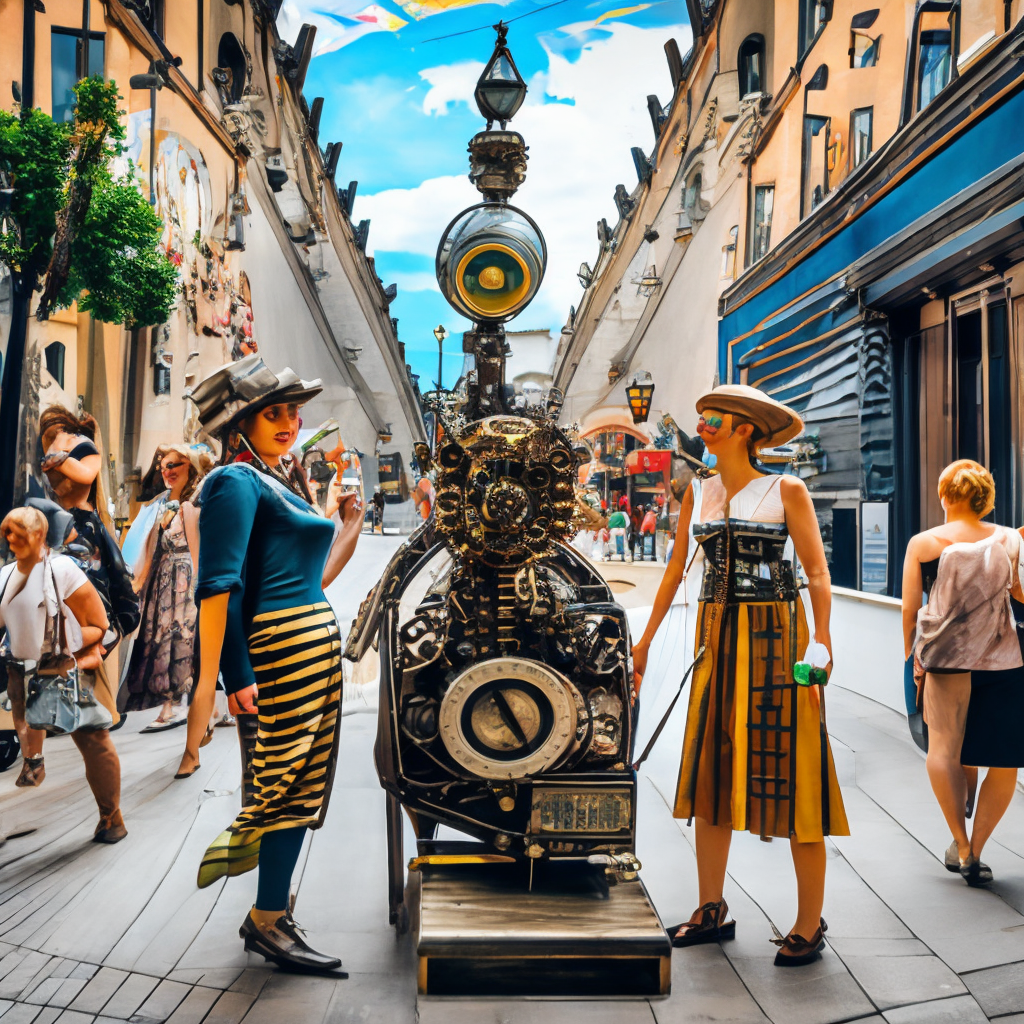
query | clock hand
[509, 718]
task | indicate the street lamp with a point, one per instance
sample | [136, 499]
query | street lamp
[500, 90]
[440, 333]
[639, 394]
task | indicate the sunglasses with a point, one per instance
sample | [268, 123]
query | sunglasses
[169, 467]
[709, 424]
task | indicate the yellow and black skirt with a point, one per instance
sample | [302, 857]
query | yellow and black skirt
[296, 658]
[756, 754]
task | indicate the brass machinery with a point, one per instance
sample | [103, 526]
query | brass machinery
[505, 662]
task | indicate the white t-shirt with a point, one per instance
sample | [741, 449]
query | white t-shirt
[23, 608]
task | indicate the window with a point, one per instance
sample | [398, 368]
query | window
[813, 15]
[696, 209]
[860, 135]
[764, 200]
[814, 173]
[67, 67]
[935, 61]
[751, 66]
[54, 353]
[729, 253]
[230, 57]
[863, 46]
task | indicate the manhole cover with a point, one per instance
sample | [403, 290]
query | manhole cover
[619, 586]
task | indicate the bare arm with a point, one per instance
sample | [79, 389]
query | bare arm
[674, 572]
[913, 587]
[87, 608]
[213, 617]
[190, 521]
[802, 523]
[349, 525]
[78, 471]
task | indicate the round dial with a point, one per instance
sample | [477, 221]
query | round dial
[508, 718]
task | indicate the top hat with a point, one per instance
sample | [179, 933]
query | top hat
[777, 422]
[242, 388]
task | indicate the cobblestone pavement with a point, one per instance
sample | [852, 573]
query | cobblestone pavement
[91, 933]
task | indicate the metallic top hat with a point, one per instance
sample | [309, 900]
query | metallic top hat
[242, 388]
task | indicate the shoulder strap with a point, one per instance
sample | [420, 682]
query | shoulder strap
[61, 631]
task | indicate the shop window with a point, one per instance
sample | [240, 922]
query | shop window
[751, 66]
[67, 67]
[230, 57]
[54, 353]
[729, 253]
[935, 63]
[813, 16]
[814, 172]
[764, 201]
[860, 135]
[864, 45]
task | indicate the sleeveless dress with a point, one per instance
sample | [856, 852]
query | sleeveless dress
[756, 753]
[161, 661]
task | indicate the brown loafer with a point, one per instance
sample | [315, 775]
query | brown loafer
[707, 924]
[33, 771]
[795, 950]
[110, 830]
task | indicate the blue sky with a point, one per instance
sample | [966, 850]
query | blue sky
[401, 103]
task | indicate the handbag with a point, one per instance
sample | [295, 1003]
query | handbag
[51, 683]
[92, 715]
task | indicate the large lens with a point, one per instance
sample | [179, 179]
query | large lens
[490, 262]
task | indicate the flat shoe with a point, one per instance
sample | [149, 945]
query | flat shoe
[283, 944]
[952, 858]
[976, 873]
[111, 835]
[187, 775]
[800, 951]
[207, 736]
[709, 927]
[158, 726]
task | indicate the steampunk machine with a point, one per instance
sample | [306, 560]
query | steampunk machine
[505, 708]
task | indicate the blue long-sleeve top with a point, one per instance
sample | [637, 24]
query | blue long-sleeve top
[262, 545]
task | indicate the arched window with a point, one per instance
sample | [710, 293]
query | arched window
[54, 353]
[231, 58]
[695, 207]
[751, 65]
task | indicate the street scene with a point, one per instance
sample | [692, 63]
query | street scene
[416, 608]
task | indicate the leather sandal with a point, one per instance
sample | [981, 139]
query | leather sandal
[952, 858]
[283, 944]
[975, 872]
[795, 950]
[33, 771]
[707, 924]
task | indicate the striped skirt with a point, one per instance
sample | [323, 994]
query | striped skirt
[296, 657]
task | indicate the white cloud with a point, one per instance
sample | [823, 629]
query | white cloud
[413, 280]
[578, 153]
[450, 84]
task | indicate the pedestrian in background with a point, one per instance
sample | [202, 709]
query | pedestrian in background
[37, 591]
[636, 520]
[159, 672]
[378, 509]
[618, 523]
[967, 658]
[648, 528]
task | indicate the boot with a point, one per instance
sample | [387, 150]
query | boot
[248, 726]
[33, 771]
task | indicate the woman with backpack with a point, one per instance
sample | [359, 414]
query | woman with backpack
[967, 658]
[49, 607]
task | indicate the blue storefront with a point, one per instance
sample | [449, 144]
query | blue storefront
[889, 318]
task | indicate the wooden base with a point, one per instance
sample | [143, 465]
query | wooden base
[483, 930]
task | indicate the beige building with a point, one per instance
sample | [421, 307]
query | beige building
[269, 261]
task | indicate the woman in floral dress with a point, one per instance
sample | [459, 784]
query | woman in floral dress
[160, 670]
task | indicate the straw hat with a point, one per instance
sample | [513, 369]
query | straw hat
[243, 387]
[777, 422]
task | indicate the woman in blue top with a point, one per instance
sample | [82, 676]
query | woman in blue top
[265, 555]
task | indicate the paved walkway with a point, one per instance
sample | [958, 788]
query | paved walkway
[90, 933]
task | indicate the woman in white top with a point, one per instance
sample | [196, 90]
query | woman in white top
[38, 585]
[967, 658]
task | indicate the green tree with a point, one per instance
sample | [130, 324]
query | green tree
[91, 236]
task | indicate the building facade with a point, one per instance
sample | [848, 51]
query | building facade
[849, 239]
[269, 260]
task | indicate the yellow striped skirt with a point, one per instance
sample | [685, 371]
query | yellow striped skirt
[296, 657]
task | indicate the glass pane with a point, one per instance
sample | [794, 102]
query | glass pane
[815, 156]
[1000, 419]
[764, 200]
[861, 140]
[865, 51]
[970, 396]
[96, 57]
[64, 75]
[935, 63]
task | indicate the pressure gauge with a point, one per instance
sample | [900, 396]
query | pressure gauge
[508, 718]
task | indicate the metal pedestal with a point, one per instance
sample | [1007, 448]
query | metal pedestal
[483, 930]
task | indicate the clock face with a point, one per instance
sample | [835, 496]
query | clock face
[508, 718]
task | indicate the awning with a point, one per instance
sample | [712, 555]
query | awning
[648, 460]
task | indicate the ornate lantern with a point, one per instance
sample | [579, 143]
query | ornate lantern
[639, 394]
[500, 90]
